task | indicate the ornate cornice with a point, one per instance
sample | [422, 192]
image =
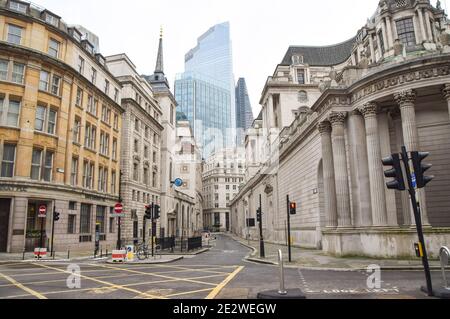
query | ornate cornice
[369, 109]
[405, 97]
[446, 91]
[324, 127]
[337, 118]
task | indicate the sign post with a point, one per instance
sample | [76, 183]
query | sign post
[288, 204]
[118, 210]
[42, 214]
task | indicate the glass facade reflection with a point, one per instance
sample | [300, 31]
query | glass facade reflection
[205, 92]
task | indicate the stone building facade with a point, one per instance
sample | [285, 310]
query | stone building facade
[58, 105]
[141, 147]
[223, 174]
[330, 114]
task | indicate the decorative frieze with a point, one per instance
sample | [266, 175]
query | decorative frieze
[394, 81]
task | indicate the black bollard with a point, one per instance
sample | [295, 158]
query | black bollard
[68, 254]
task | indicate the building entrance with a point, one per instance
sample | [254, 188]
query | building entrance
[5, 206]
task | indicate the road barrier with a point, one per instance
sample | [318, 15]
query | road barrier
[194, 243]
[40, 253]
[119, 256]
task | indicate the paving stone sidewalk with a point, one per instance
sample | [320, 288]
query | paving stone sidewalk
[316, 259]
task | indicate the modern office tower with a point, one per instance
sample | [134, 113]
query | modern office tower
[205, 92]
[244, 113]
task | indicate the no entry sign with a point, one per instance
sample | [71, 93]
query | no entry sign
[118, 210]
[42, 211]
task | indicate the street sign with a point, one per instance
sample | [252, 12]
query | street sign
[118, 210]
[414, 180]
[42, 211]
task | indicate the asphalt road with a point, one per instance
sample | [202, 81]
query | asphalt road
[221, 273]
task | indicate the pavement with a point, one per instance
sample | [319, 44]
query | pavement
[223, 272]
[316, 260]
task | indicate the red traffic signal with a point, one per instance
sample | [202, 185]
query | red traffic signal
[293, 208]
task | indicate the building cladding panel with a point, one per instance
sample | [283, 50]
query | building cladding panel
[211, 63]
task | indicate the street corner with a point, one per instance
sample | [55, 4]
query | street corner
[163, 259]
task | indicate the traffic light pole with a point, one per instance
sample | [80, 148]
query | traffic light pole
[288, 203]
[153, 235]
[53, 230]
[145, 230]
[261, 238]
[417, 215]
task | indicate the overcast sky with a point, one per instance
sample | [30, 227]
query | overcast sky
[261, 30]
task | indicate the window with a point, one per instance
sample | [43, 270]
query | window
[14, 34]
[56, 80]
[112, 221]
[18, 73]
[52, 20]
[85, 219]
[8, 158]
[92, 105]
[36, 161]
[113, 182]
[17, 6]
[88, 175]
[44, 122]
[93, 75]
[154, 179]
[104, 143]
[106, 114]
[136, 146]
[53, 48]
[71, 224]
[146, 152]
[48, 166]
[80, 65]
[405, 31]
[136, 172]
[116, 95]
[154, 157]
[4, 70]
[100, 218]
[147, 132]
[72, 205]
[74, 172]
[106, 87]
[79, 100]
[136, 125]
[146, 175]
[44, 80]
[77, 130]
[90, 136]
[13, 113]
[301, 76]
[116, 122]
[102, 179]
[114, 149]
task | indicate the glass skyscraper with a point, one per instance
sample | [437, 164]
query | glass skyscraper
[205, 92]
[244, 113]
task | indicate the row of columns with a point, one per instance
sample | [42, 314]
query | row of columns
[368, 170]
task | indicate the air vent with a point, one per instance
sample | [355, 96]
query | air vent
[400, 3]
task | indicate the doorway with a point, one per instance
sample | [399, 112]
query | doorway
[33, 235]
[5, 206]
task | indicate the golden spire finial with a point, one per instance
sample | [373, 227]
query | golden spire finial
[161, 32]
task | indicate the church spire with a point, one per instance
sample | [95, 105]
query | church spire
[159, 61]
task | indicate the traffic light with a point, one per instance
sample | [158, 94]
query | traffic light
[148, 211]
[157, 212]
[420, 168]
[56, 216]
[293, 208]
[258, 215]
[396, 172]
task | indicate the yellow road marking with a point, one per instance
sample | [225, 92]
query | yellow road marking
[213, 294]
[127, 285]
[158, 275]
[189, 292]
[19, 285]
[104, 282]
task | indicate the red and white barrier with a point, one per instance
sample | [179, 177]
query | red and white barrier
[40, 253]
[118, 256]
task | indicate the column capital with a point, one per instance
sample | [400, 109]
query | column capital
[355, 112]
[324, 127]
[369, 109]
[405, 97]
[446, 91]
[337, 118]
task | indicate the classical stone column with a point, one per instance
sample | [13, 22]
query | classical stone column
[328, 174]
[337, 120]
[362, 213]
[406, 101]
[446, 93]
[384, 33]
[389, 33]
[405, 202]
[372, 50]
[377, 184]
[428, 26]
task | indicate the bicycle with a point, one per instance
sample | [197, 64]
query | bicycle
[142, 251]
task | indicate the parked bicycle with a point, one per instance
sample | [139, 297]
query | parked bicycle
[144, 251]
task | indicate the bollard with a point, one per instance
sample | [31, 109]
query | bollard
[444, 257]
[23, 254]
[282, 290]
[101, 253]
[106, 252]
[68, 254]
[53, 254]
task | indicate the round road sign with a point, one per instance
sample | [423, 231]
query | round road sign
[118, 209]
